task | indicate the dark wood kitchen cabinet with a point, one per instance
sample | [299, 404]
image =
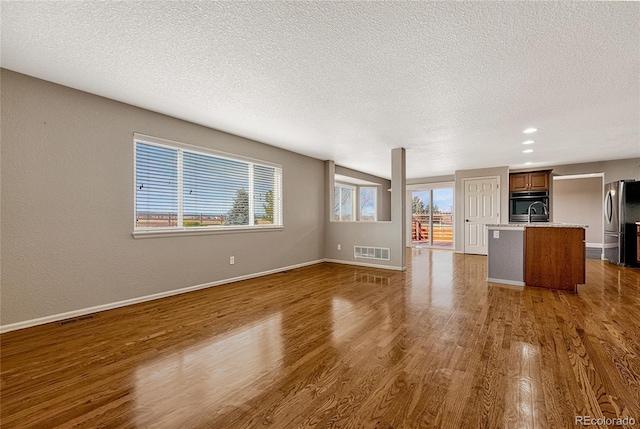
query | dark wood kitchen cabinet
[555, 257]
[532, 181]
[638, 242]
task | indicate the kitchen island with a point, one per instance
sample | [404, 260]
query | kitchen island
[549, 255]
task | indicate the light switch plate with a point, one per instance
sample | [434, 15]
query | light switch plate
[496, 234]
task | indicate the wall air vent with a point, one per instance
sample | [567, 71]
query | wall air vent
[380, 253]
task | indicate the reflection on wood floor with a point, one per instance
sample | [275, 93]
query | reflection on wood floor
[340, 346]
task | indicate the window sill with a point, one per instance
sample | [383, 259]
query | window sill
[202, 231]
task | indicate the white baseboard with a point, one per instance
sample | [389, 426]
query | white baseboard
[506, 282]
[365, 264]
[83, 311]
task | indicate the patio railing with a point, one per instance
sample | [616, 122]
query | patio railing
[442, 228]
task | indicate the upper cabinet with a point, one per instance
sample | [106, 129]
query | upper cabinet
[532, 181]
[539, 181]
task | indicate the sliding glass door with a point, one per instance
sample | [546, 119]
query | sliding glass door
[432, 217]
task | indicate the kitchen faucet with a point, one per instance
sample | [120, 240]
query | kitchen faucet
[544, 207]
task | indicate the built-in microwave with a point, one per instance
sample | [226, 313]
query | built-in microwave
[519, 203]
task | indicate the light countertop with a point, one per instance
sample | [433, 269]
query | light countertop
[536, 225]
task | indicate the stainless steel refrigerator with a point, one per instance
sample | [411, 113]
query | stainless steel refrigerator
[621, 212]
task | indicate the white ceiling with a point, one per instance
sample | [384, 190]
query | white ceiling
[455, 83]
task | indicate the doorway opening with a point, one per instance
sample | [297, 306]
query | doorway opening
[580, 199]
[432, 217]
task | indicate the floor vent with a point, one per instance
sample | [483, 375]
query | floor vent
[380, 253]
[78, 319]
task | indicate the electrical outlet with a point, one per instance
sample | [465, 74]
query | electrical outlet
[339, 247]
[232, 260]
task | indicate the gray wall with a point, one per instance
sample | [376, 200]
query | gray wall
[430, 180]
[580, 201]
[506, 255]
[383, 194]
[67, 210]
[503, 173]
[617, 169]
[613, 170]
[68, 206]
[375, 234]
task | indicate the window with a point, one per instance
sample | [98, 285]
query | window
[179, 187]
[344, 203]
[432, 215]
[349, 197]
[368, 203]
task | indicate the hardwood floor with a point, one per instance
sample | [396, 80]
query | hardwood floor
[332, 346]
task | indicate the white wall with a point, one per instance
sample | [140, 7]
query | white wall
[67, 208]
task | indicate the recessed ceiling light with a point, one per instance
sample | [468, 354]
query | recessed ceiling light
[528, 163]
[527, 151]
[530, 130]
[529, 142]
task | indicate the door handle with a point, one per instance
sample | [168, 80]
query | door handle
[466, 220]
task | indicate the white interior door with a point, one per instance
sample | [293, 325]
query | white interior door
[482, 202]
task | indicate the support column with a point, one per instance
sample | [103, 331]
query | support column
[398, 202]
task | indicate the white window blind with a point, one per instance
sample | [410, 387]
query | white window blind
[178, 188]
[156, 186]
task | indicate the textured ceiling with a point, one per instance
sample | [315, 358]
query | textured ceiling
[455, 83]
